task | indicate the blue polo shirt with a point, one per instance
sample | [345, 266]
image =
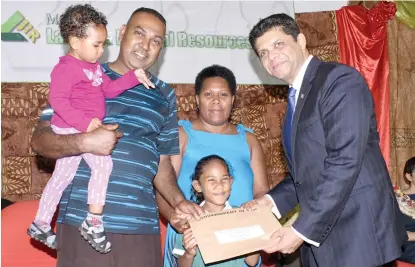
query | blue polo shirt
[148, 120]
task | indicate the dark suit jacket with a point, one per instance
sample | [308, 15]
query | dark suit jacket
[338, 174]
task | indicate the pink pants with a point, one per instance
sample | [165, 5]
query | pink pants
[65, 170]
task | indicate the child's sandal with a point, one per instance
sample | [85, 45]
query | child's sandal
[97, 239]
[48, 238]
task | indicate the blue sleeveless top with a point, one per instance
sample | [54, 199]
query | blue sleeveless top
[234, 149]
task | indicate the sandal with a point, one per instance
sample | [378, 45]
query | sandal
[95, 236]
[48, 238]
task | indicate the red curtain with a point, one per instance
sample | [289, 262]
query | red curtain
[363, 45]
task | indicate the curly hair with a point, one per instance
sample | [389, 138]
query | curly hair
[197, 197]
[77, 18]
[213, 72]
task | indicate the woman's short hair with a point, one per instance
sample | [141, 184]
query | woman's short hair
[213, 72]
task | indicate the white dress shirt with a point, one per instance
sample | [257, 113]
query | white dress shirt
[298, 81]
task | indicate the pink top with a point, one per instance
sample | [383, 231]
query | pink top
[78, 90]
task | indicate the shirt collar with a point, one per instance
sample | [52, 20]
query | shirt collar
[227, 206]
[298, 81]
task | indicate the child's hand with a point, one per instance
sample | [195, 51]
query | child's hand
[189, 242]
[94, 124]
[142, 77]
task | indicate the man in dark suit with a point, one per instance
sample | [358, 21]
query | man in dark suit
[337, 173]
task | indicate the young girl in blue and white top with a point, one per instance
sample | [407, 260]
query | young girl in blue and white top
[212, 184]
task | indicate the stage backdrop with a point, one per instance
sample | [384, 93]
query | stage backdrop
[199, 33]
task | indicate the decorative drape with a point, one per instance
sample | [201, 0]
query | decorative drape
[363, 44]
[406, 12]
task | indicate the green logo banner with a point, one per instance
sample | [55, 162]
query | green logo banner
[20, 23]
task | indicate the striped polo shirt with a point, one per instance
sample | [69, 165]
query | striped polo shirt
[148, 120]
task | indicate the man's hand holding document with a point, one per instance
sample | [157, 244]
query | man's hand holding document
[231, 233]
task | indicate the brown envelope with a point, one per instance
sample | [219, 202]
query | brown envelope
[231, 233]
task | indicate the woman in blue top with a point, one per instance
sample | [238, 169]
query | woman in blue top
[212, 133]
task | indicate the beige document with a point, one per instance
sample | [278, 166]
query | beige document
[231, 233]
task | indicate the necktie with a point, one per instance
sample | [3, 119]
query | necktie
[288, 121]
